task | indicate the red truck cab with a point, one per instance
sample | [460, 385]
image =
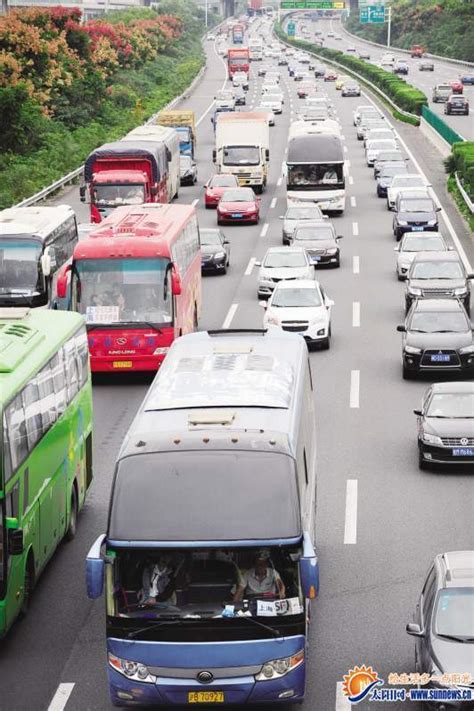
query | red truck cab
[417, 51]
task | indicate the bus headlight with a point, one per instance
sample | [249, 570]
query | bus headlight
[132, 670]
[279, 667]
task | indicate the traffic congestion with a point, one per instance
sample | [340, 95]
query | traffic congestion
[250, 331]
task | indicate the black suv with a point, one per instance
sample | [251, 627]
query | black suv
[415, 214]
[457, 105]
[437, 336]
[435, 275]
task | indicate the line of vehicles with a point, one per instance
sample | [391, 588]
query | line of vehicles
[228, 411]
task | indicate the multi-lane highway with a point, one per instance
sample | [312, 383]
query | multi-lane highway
[380, 520]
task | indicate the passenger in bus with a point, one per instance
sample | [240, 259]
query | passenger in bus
[158, 583]
[262, 579]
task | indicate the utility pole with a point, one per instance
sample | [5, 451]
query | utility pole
[205, 12]
[389, 26]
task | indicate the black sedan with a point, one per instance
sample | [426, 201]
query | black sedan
[438, 275]
[320, 241]
[215, 251]
[443, 628]
[387, 172]
[437, 337]
[415, 215]
[446, 424]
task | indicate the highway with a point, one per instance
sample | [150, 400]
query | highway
[380, 520]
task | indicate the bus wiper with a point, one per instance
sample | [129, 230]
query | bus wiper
[175, 619]
[274, 632]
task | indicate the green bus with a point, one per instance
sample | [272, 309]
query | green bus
[45, 444]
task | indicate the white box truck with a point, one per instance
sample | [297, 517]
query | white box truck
[243, 147]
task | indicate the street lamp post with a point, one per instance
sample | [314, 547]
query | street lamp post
[389, 26]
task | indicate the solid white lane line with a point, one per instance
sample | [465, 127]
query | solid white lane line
[355, 387]
[355, 228]
[351, 180]
[273, 203]
[61, 697]
[230, 316]
[350, 525]
[353, 200]
[279, 181]
[342, 702]
[348, 163]
[250, 266]
[264, 229]
[195, 202]
[356, 314]
[346, 150]
[356, 265]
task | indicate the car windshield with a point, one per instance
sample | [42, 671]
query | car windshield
[20, 271]
[241, 155]
[379, 144]
[124, 290]
[454, 615]
[437, 270]
[210, 237]
[275, 260]
[440, 322]
[238, 195]
[384, 157]
[296, 298]
[408, 181]
[352, 87]
[224, 95]
[322, 232]
[416, 206]
[223, 181]
[422, 244]
[452, 405]
[113, 195]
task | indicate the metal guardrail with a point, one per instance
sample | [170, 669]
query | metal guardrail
[406, 51]
[464, 194]
[445, 131]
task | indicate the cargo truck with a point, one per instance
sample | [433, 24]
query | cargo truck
[184, 123]
[124, 173]
[243, 147]
[238, 60]
[169, 137]
[238, 34]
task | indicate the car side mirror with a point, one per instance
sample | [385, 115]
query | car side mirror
[415, 630]
[328, 303]
[214, 156]
[438, 209]
[401, 329]
[46, 262]
[418, 412]
[62, 281]
[258, 264]
[263, 304]
[340, 237]
[226, 241]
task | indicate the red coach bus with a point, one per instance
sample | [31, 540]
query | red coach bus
[137, 281]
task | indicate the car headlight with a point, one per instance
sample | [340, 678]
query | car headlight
[273, 320]
[430, 439]
[403, 223]
[460, 291]
[414, 291]
[412, 350]
[332, 251]
[219, 255]
[432, 222]
[132, 670]
[466, 350]
[279, 667]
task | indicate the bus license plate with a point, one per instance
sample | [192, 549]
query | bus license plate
[440, 358]
[122, 364]
[463, 452]
[205, 697]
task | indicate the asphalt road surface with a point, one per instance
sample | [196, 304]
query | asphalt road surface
[380, 520]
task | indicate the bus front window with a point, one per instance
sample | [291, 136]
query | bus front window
[323, 176]
[124, 291]
[20, 271]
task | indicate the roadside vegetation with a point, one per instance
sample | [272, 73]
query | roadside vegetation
[444, 27]
[461, 161]
[66, 87]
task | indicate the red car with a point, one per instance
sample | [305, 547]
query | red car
[238, 205]
[456, 85]
[304, 89]
[330, 76]
[216, 186]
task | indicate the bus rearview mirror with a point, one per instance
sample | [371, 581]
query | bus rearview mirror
[62, 281]
[95, 567]
[175, 283]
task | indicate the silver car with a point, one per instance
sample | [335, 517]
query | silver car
[280, 264]
[295, 216]
[411, 244]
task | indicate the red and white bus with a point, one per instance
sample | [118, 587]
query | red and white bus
[137, 281]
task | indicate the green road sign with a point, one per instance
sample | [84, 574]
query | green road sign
[372, 14]
[291, 29]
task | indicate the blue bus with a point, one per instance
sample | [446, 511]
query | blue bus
[208, 562]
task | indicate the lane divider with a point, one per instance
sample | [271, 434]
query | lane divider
[354, 389]
[353, 201]
[61, 697]
[356, 265]
[356, 314]
[230, 315]
[250, 266]
[350, 526]
[355, 229]
[273, 203]
[264, 229]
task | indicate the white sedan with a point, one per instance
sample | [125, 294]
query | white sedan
[407, 181]
[301, 306]
[414, 242]
[282, 263]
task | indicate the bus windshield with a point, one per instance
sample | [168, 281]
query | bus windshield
[325, 176]
[125, 290]
[20, 266]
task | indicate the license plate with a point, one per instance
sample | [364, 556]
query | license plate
[205, 697]
[463, 452]
[236, 214]
[440, 358]
[122, 364]
[418, 229]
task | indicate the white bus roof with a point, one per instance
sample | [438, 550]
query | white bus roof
[38, 221]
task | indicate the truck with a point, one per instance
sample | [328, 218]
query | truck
[124, 173]
[238, 33]
[255, 49]
[243, 147]
[169, 137]
[238, 60]
[184, 123]
[417, 51]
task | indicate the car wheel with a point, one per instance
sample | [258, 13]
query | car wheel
[407, 374]
[72, 528]
[224, 270]
[400, 278]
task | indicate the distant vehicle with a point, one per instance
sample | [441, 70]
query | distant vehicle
[417, 51]
[225, 99]
[301, 306]
[216, 187]
[437, 336]
[188, 170]
[305, 88]
[445, 437]
[330, 34]
[365, 110]
[364, 54]
[338, 37]
[211, 37]
[341, 79]
[467, 79]
[262, 69]
[386, 176]
[351, 50]
[240, 79]
[400, 67]
[411, 244]
[319, 71]
[330, 75]
[441, 93]
[457, 105]
[238, 205]
[388, 59]
[320, 240]
[240, 96]
[456, 86]
[282, 61]
[426, 65]
[350, 88]
[438, 275]
[282, 263]
[215, 250]
[296, 216]
[415, 215]
[265, 107]
[274, 102]
[387, 157]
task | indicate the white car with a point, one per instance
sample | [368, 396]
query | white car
[273, 92]
[265, 107]
[388, 59]
[399, 183]
[282, 263]
[240, 79]
[272, 77]
[225, 99]
[378, 133]
[273, 102]
[301, 306]
[364, 109]
[373, 148]
[414, 242]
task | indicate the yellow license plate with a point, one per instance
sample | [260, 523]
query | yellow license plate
[122, 364]
[205, 697]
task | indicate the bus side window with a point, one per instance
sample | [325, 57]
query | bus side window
[71, 369]
[47, 396]
[15, 420]
[32, 407]
[59, 378]
[82, 356]
[7, 462]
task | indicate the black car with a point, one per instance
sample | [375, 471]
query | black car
[401, 67]
[319, 71]
[443, 626]
[446, 424]
[457, 104]
[415, 215]
[215, 250]
[387, 172]
[438, 275]
[437, 336]
[387, 157]
[320, 241]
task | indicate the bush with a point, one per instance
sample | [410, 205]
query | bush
[461, 161]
